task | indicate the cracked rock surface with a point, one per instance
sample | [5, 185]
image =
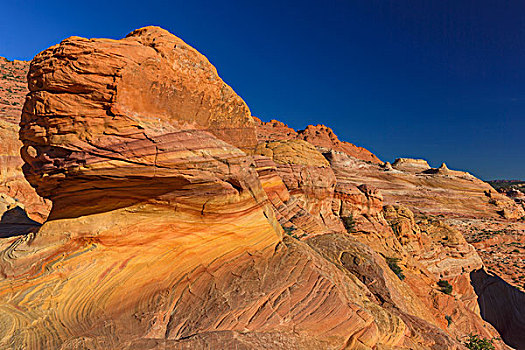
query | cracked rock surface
[179, 221]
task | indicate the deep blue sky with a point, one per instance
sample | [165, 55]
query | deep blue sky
[442, 80]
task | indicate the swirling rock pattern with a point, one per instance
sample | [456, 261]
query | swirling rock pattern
[172, 216]
[309, 180]
[156, 209]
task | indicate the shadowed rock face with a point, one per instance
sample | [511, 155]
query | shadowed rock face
[168, 212]
[15, 222]
[502, 305]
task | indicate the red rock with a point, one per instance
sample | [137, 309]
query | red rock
[12, 182]
[169, 202]
[161, 229]
[323, 136]
[319, 135]
[274, 130]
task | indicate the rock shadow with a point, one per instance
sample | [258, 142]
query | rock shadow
[502, 305]
[15, 222]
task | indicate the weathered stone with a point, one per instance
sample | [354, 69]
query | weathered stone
[177, 219]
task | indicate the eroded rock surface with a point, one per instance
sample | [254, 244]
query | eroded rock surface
[15, 191]
[318, 135]
[181, 222]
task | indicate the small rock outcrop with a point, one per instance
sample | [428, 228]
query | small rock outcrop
[411, 165]
[274, 130]
[388, 166]
[322, 136]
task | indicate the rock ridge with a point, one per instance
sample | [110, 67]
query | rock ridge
[181, 221]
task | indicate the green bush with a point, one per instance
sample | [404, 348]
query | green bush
[289, 230]
[475, 342]
[445, 287]
[349, 223]
[392, 263]
[449, 320]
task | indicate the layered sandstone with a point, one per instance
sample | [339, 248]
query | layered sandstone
[322, 136]
[274, 130]
[410, 165]
[156, 209]
[451, 193]
[309, 181]
[445, 203]
[13, 185]
[318, 135]
[181, 222]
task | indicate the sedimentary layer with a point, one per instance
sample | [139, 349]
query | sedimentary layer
[181, 222]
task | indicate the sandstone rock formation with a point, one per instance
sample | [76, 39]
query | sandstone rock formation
[13, 186]
[322, 136]
[388, 166]
[274, 130]
[455, 194]
[310, 183]
[181, 222]
[411, 165]
[517, 195]
[13, 88]
[318, 135]
[447, 204]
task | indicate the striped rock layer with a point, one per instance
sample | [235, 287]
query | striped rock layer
[16, 194]
[176, 225]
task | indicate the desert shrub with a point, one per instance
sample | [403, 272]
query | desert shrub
[289, 230]
[449, 320]
[392, 263]
[349, 223]
[445, 287]
[475, 342]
